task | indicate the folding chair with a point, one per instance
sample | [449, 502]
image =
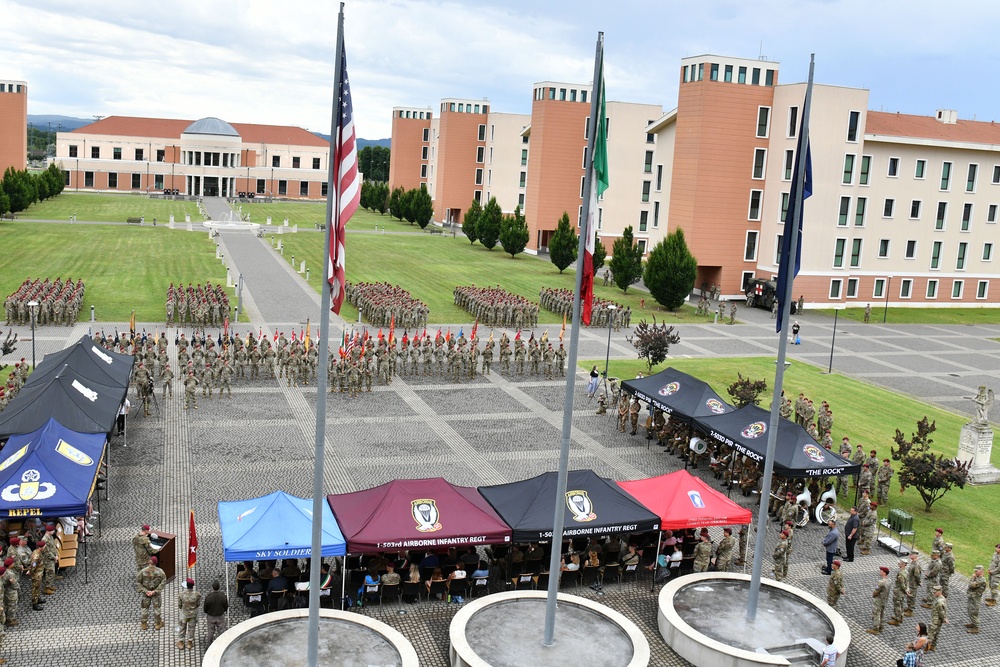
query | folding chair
[592, 576]
[480, 586]
[254, 602]
[275, 600]
[630, 571]
[372, 593]
[542, 584]
[525, 582]
[438, 588]
[458, 588]
[413, 589]
[391, 592]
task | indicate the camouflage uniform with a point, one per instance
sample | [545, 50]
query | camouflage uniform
[835, 587]
[899, 595]
[150, 580]
[702, 556]
[143, 550]
[879, 598]
[780, 559]
[977, 586]
[939, 614]
[35, 570]
[188, 601]
[11, 588]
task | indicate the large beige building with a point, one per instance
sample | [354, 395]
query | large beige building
[13, 125]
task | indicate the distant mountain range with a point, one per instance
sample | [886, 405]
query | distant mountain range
[68, 124]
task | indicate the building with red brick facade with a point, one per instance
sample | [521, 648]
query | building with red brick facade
[13, 125]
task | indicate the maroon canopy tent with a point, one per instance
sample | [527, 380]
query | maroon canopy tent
[684, 501]
[415, 514]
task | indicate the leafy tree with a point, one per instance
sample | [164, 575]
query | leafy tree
[471, 220]
[373, 162]
[932, 475]
[514, 233]
[422, 206]
[600, 252]
[409, 209]
[746, 391]
[396, 202]
[4, 201]
[563, 245]
[653, 342]
[489, 223]
[382, 200]
[626, 261]
[55, 175]
[670, 271]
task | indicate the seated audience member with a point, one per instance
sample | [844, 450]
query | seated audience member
[573, 565]
[435, 576]
[290, 570]
[534, 555]
[470, 558]
[390, 578]
[371, 578]
[459, 573]
[414, 578]
[277, 583]
[430, 560]
[631, 556]
[482, 570]
[593, 559]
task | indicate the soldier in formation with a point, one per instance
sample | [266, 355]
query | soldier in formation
[188, 602]
[977, 586]
[58, 302]
[385, 305]
[939, 617]
[994, 577]
[604, 311]
[149, 583]
[913, 578]
[900, 591]
[18, 376]
[200, 305]
[880, 596]
[724, 551]
[835, 587]
[882, 478]
[496, 307]
[703, 553]
[780, 557]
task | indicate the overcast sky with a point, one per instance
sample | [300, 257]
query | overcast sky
[271, 61]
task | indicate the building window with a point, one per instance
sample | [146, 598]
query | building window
[747, 277]
[960, 261]
[859, 216]
[728, 74]
[423, 171]
[479, 176]
[835, 288]
[112, 180]
[656, 215]
[478, 195]
[701, 71]
[755, 76]
[276, 161]
[641, 245]
[879, 290]
[303, 188]
[789, 164]
[887, 208]
[852, 126]
[845, 210]
[848, 169]
[136, 181]
[856, 253]
[750, 249]
[261, 186]
[982, 288]
[957, 287]
[852, 288]
[945, 175]
[741, 76]
[685, 73]
[905, 287]
[562, 94]
[970, 181]
[911, 249]
[915, 209]
[784, 206]
[996, 175]
[116, 153]
[520, 200]
[647, 165]
[480, 154]
[659, 177]
[866, 163]
[161, 155]
[932, 289]
[139, 155]
[524, 156]
[88, 179]
[427, 134]
[883, 248]
[987, 252]
[893, 166]
[769, 77]
[777, 249]
[759, 158]
[523, 179]
[755, 197]
[921, 167]
[322, 189]
[643, 220]
[583, 181]
[646, 185]
[714, 72]
[583, 96]
[763, 118]
[282, 188]
[95, 152]
[942, 213]
[482, 129]
[991, 213]
[572, 95]
[296, 162]
[838, 253]
[936, 255]
[966, 217]
[72, 151]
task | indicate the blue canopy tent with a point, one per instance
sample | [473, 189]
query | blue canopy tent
[49, 472]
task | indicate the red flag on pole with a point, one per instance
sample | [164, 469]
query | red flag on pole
[474, 328]
[346, 182]
[192, 544]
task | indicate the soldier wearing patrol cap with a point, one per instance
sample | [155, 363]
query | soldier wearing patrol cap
[977, 586]
[939, 617]
[899, 589]
[947, 567]
[932, 578]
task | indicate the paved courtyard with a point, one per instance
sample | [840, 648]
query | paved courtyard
[491, 430]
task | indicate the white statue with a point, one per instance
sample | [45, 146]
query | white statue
[983, 401]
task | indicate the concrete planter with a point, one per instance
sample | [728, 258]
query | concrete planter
[278, 639]
[506, 629]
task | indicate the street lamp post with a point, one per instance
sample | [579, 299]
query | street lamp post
[833, 340]
[885, 312]
[33, 305]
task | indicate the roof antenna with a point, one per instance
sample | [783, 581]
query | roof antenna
[760, 52]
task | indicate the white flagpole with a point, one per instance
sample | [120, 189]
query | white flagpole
[332, 210]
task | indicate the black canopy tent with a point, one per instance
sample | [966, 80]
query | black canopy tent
[89, 360]
[796, 454]
[593, 505]
[78, 402]
[678, 394]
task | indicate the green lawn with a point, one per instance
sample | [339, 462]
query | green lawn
[92, 207]
[430, 266]
[870, 416]
[920, 315]
[303, 214]
[123, 267]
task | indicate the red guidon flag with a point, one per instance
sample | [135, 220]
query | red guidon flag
[192, 543]
[346, 181]
[598, 184]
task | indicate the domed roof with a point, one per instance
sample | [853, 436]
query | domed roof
[211, 125]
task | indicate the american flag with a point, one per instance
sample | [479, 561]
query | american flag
[346, 189]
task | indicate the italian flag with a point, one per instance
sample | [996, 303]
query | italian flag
[598, 184]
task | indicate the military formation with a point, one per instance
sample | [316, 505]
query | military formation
[605, 312]
[59, 302]
[496, 307]
[18, 376]
[385, 305]
[31, 553]
[200, 305]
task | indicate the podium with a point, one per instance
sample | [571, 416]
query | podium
[166, 554]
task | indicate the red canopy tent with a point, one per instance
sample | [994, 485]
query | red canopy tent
[684, 501]
[416, 514]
